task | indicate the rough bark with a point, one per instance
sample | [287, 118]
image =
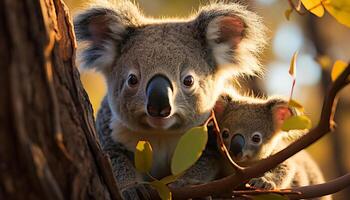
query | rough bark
[48, 147]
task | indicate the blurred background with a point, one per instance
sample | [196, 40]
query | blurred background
[320, 41]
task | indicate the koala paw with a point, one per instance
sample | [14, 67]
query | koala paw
[262, 183]
[138, 192]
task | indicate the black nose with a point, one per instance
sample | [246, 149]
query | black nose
[237, 144]
[159, 91]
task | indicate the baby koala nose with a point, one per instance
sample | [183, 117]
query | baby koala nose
[156, 111]
[237, 144]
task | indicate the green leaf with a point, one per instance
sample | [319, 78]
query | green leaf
[169, 179]
[189, 149]
[293, 103]
[162, 189]
[143, 156]
[299, 122]
[314, 6]
[340, 10]
[270, 196]
[338, 67]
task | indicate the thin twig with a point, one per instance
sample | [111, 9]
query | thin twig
[296, 8]
[223, 148]
[208, 120]
[292, 90]
[332, 123]
[261, 191]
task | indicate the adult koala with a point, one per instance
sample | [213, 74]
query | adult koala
[163, 77]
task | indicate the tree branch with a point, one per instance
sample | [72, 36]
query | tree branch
[285, 192]
[226, 184]
[323, 189]
[305, 192]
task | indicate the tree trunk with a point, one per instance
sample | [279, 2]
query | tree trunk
[48, 146]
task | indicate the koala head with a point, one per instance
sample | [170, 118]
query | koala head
[251, 128]
[165, 75]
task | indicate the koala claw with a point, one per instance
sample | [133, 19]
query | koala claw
[139, 192]
[262, 183]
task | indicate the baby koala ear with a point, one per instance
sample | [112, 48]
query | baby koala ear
[219, 108]
[234, 35]
[281, 111]
[220, 105]
[100, 31]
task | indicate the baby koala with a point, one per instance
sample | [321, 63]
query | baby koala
[251, 129]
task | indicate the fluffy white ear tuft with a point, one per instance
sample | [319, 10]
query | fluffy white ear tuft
[223, 35]
[100, 31]
[235, 36]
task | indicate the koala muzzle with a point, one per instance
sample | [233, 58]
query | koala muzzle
[237, 144]
[159, 91]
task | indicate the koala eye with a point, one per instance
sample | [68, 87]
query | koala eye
[256, 138]
[132, 80]
[188, 81]
[225, 134]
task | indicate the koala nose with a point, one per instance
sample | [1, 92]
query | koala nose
[237, 144]
[158, 91]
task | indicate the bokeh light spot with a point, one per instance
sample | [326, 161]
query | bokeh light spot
[287, 40]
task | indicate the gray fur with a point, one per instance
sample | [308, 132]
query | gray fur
[246, 116]
[117, 152]
[101, 30]
[118, 40]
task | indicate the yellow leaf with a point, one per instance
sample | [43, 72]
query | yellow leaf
[189, 149]
[314, 6]
[268, 197]
[143, 156]
[324, 61]
[338, 67]
[340, 10]
[293, 103]
[292, 67]
[169, 179]
[162, 190]
[287, 13]
[299, 122]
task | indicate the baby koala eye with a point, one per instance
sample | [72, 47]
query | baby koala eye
[256, 138]
[132, 80]
[225, 134]
[188, 81]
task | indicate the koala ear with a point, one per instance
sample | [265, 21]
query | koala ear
[100, 31]
[234, 35]
[219, 108]
[221, 104]
[281, 111]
